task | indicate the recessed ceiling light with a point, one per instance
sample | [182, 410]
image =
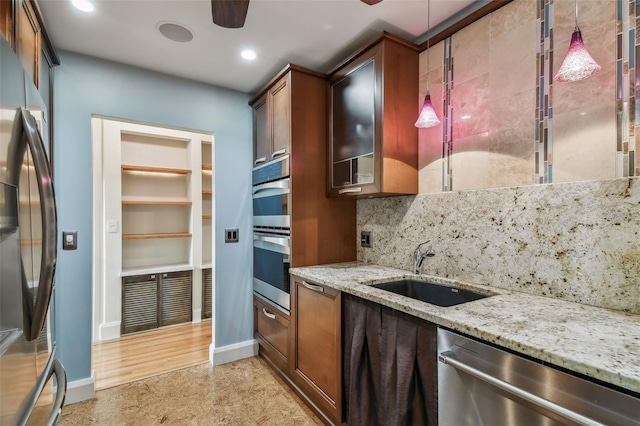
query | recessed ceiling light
[83, 5]
[174, 31]
[248, 54]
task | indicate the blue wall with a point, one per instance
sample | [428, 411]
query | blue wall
[83, 86]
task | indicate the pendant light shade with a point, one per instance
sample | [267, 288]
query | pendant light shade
[427, 117]
[578, 63]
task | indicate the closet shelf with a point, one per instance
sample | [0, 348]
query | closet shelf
[207, 192]
[153, 236]
[206, 167]
[155, 203]
[207, 216]
[133, 168]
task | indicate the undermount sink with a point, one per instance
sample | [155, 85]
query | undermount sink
[436, 294]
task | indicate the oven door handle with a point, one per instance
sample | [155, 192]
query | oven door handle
[272, 243]
[282, 185]
[449, 358]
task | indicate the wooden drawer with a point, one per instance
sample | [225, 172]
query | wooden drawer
[271, 328]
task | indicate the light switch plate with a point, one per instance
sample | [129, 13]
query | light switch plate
[69, 240]
[231, 235]
[112, 226]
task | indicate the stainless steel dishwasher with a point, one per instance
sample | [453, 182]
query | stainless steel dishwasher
[479, 385]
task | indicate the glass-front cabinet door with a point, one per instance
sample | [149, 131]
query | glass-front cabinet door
[353, 127]
[373, 142]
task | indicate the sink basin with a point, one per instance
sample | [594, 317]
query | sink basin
[436, 294]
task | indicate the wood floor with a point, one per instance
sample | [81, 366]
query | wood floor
[150, 353]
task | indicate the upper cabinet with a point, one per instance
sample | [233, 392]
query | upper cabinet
[272, 122]
[373, 105]
[22, 25]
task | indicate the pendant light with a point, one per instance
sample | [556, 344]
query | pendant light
[578, 63]
[428, 117]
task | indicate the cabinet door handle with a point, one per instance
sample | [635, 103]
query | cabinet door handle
[267, 314]
[350, 190]
[279, 152]
[313, 287]
[259, 160]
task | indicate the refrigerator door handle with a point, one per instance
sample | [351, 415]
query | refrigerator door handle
[54, 367]
[49, 222]
[61, 380]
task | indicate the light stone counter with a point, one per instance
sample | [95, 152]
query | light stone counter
[596, 342]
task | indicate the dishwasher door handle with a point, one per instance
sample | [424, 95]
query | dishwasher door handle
[449, 358]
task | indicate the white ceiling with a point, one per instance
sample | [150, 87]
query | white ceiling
[312, 33]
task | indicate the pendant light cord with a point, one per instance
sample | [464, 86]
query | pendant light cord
[577, 29]
[428, 36]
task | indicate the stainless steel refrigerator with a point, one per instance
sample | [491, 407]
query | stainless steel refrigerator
[32, 381]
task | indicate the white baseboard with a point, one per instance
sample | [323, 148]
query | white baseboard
[81, 390]
[233, 352]
[196, 314]
[109, 330]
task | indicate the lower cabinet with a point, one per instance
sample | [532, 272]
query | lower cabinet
[390, 366]
[351, 360]
[317, 345]
[271, 329]
[155, 300]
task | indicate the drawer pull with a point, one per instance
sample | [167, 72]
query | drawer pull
[350, 190]
[260, 160]
[267, 314]
[278, 153]
[313, 287]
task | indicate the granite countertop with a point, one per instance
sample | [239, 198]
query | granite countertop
[596, 342]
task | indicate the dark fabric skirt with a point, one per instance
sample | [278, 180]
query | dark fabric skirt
[390, 366]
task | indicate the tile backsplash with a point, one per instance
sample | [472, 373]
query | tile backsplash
[576, 241]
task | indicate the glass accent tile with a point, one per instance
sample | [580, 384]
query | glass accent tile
[537, 130]
[619, 79]
[632, 163]
[619, 9]
[632, 50]
[550, 173]
[619, 46]
[546, 20]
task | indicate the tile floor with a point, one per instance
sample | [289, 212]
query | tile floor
[245, 392]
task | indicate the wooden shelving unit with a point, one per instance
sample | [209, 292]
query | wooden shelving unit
[155, 236]
[207, 192]
[155, 203]
[149, 169]
[207, 217]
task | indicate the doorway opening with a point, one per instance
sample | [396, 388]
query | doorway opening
[153, 247]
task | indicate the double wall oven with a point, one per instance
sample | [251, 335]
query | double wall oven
[272, 231]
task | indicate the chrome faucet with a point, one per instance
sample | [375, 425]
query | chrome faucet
[419, 256]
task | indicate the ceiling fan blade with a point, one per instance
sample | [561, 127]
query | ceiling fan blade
[229, 13]
[371, 2]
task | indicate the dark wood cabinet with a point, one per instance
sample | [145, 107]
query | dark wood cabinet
[272, 122]
[373, 142]
[261, 137]
[29, 40]
[316, 348]
[271, 325]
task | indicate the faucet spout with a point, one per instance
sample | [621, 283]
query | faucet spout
[419, 256]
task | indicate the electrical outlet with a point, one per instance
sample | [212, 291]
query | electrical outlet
[366, 239]
[231, 235]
